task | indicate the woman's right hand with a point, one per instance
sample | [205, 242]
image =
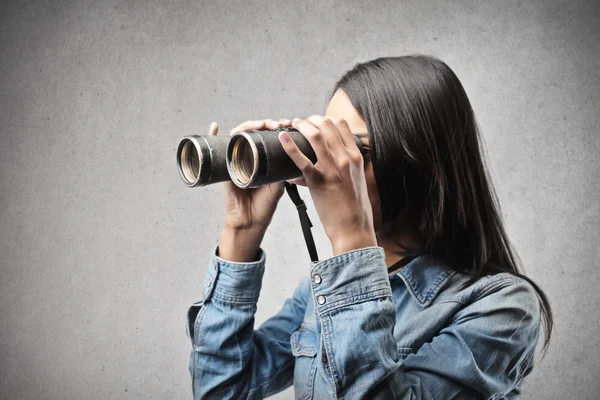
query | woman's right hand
[248, 212]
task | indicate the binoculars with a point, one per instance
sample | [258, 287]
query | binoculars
[249, 158]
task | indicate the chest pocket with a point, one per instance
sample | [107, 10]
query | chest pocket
[304, 348]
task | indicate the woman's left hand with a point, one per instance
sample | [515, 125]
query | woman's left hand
[336, 181]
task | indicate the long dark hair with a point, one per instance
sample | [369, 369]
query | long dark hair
[428, 163]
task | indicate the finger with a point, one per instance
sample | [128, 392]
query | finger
[272, 124]
[302, 162]
[285, 122]
[317, 141]
[329, 130]
[248, 125]
[213, 129]
[346, 135]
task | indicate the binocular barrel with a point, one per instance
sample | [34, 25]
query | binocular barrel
[249, 158]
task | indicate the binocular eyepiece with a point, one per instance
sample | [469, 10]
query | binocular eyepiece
[249, 158]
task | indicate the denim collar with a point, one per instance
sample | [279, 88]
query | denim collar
[424, 276]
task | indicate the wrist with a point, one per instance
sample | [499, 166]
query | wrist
[234, 225]
[240, 245]
[352, 241]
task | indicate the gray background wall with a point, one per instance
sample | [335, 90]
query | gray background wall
[102, 247]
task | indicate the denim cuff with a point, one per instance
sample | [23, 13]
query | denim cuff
[351, 277]
[232, 281]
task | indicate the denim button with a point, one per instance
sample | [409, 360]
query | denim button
[317, 278]
[321, 300]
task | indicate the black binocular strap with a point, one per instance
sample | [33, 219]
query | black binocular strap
[292, 191]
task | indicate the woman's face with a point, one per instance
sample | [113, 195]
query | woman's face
[340, 106]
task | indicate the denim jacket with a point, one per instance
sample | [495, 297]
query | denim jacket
[353, 331]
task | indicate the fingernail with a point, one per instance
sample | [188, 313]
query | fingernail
[284, 137]
[212, 125]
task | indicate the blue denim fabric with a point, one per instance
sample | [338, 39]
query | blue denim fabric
[353, 331]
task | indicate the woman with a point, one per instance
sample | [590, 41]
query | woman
[422, 298]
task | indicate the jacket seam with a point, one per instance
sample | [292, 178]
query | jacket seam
[199, 317]
[441, 280]
[329, 352]
[498, 283]
[453, 301]
[190, 324]
[233, 299]
[194, 354]
[340, 259]
[352, 300]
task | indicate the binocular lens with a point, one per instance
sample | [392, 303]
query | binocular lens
[255, 158]
[190, 162]
[201, 159]
[244, 160]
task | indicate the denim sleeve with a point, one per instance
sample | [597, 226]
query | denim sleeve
[229, 359]
[484, 350]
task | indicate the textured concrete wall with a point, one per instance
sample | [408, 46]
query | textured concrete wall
[102, 248]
